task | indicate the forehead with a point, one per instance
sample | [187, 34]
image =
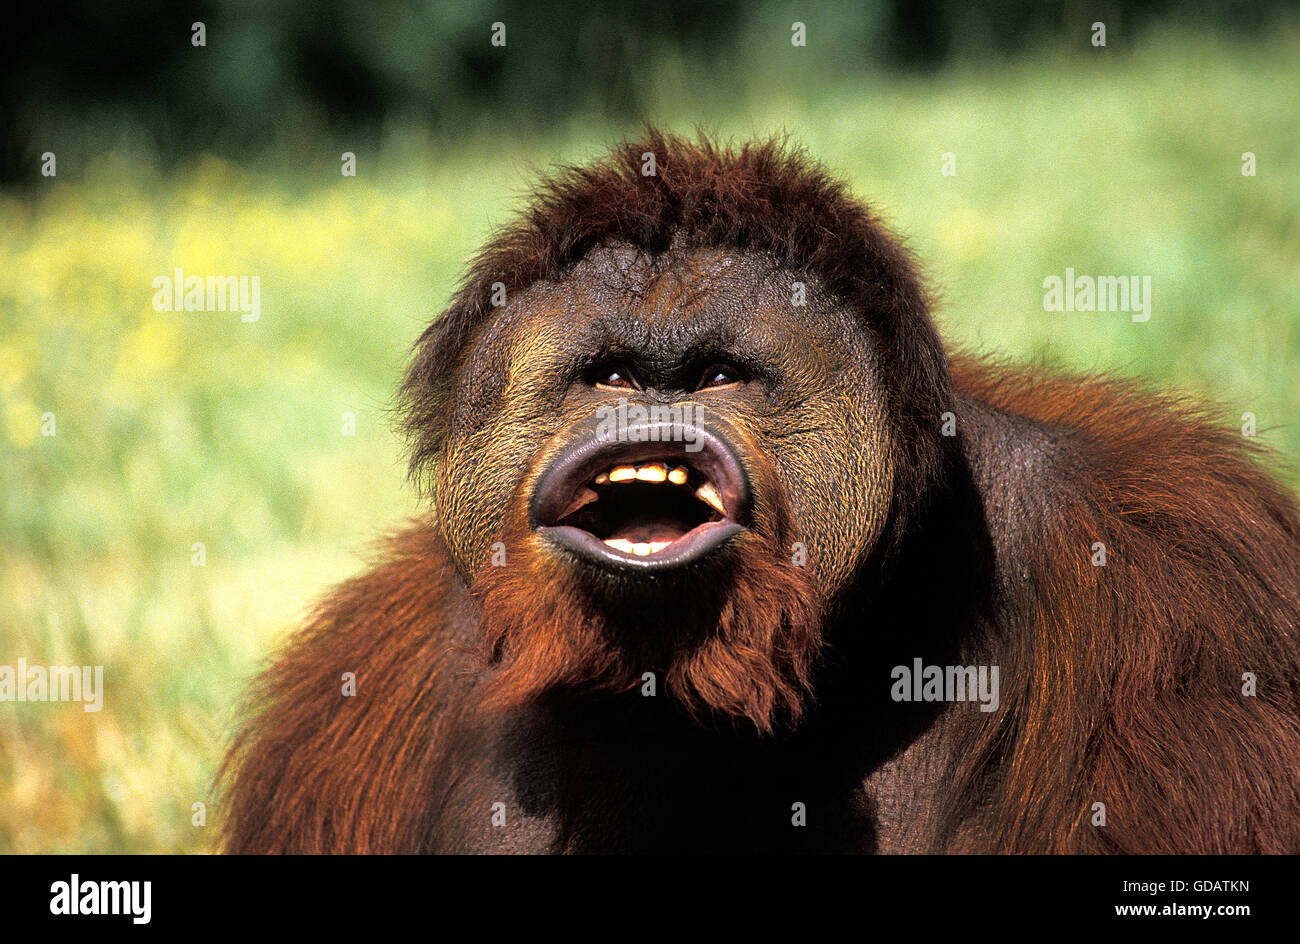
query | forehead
[681, 298]
[677, 284]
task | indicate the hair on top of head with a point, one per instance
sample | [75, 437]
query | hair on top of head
[766, 197]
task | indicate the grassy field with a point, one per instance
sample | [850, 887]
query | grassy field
[175, 429]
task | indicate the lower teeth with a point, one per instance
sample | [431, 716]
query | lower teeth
[640, 550]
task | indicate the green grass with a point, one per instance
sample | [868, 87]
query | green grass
[176, 428]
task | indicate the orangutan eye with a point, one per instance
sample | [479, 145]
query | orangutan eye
[718, 376]
[614, 379]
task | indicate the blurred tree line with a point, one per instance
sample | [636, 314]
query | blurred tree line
[80, 75]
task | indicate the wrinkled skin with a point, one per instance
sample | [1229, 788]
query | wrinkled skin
[810, 404]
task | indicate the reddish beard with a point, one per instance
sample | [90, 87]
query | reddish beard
[738, 640]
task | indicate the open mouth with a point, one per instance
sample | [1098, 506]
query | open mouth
[648, 505]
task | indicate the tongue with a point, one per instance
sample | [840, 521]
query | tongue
[644, 532]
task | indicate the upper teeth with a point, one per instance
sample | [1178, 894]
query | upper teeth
[654, 472]
[584, 497]
[709, 495]
[648, 472]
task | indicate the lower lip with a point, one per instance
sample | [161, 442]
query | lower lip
[690, 547]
